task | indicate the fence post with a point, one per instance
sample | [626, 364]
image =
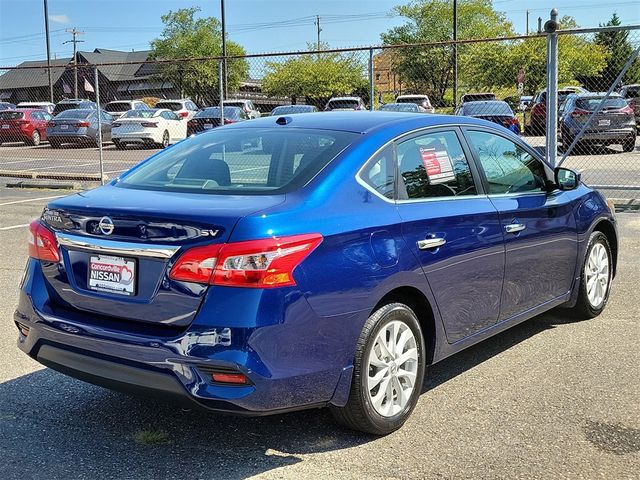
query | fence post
[221, 85]
[550, 28]
[371, 84]
[97, 82]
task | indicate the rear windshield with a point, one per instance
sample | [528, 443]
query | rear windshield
[241, 161]
[592, 103]
[11, 115]
[288, 109]
[474, 97]
[411, 100]
[138, 114]
[214, 112]
[400, 107]
[117, 107]
[175, 106]
[61, 107]
[487, 108]
[73, 114]
[343, 104]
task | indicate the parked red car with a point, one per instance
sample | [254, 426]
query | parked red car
[536, 115]
[24, 125]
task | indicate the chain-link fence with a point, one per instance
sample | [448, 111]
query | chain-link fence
[501, 80]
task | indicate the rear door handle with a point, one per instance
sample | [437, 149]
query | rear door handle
[429, 243]
[515, 227]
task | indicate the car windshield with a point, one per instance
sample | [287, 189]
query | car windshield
[214, 112]
[61, 107]
[343, 104]
[633, 92]
[240, 161]
[73, 114]
[175, 106]
[117, 107]
[139, 114]
[8, 115]
[288, 109]
[400, 107]
[411, 100]
[474, 97]
[592, 103]
[487, 108]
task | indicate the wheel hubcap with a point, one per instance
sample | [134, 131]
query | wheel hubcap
[392, 368]
[596, 273]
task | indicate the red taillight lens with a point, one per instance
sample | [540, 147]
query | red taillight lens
[578, 112]
[511, 121]
[184, 114]
[82, 124]
[42, 243]
[149, 124]
[237, 378]
[227, 121]
[263, 263]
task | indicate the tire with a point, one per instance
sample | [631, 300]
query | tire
[165, 140]
[629, 145]
[361, 412]
[591, 305]
[119, 145]
[54, 143]
[35, 139]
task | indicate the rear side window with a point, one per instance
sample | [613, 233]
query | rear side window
[175, 106]
[632, 92]
[434, 165]
[592, 103]
[379, 173]
[241, 161]
[507, 166]
[11, 115]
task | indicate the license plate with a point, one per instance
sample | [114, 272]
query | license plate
[604, 123]
[207, 126]
[112, 274]
[64, 127]
[5, 126]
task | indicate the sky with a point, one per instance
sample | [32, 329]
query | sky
[258, 25]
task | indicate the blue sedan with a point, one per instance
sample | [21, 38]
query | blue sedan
[311, 260]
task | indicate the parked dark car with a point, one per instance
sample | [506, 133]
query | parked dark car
[73, 104]
[7, 106]
[536, 114]
[495, 111]
[24, 125]
[401, 107]
[293, 109]
[326, 266]
[477, 97]
[79, 126]
[631, 93]
[209, 118]
[614, 124]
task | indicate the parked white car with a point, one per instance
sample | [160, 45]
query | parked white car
[156, 126]
[422, 101]
[345, 103]
[47, 106]
[117, 108]
[246, 105]
[184, 108]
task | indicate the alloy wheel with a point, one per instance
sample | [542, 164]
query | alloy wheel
[596, 272]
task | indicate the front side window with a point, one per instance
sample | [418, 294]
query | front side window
[508, 167]
[434, 165]
[379, 173]
[241, 161]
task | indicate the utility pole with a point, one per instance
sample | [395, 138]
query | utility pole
[75, 41]
[319, 30]
[527, 22]
[46, 29]
[224, 50]
[455, 53]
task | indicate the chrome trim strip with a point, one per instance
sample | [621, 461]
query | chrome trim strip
[77, 242]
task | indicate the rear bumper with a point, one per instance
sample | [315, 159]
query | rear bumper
[608, 135]
[138, 137]
[286, 371]
[70, 138]
[15, 135]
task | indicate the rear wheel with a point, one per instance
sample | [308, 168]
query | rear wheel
[119, 145]
[388, 372]
[595, 281]
[629, 145]
[165, 139]
[35, 139]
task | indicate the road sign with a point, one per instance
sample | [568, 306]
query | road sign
[520, 88]
[520, 77]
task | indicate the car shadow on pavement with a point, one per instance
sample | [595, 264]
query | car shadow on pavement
[56, 427]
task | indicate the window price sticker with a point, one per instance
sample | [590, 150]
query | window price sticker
[437, 164]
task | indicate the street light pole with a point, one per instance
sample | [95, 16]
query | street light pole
[455, 53]
[46, 29]
[224, 49]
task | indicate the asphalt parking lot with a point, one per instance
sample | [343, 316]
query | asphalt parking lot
[599, 165]
[551, 398]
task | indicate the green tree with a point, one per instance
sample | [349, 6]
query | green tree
[185, 36]
[430, 69]
[316, 76]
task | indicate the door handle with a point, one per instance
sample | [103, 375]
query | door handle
[515, 227]
[429, 243]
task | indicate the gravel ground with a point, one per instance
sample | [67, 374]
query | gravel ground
[550, 398]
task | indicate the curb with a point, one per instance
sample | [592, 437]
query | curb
[626, 204]
[52, 176]
[45, 185]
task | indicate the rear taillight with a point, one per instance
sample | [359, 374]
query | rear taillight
[184, 114]
[149, 124]
[82, 124]
[626, 109]
[262, 263]
[191, 123]
[578, 112]
[511, 121]
[227, 121]
[42, 243]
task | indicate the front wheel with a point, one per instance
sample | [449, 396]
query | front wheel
[595, 281]
[388, 372]
[35, 138]
[165, 139]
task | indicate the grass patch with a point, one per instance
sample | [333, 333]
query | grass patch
[150, 437]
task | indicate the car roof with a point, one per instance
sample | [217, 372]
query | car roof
[417, 95]
[359, 122]
[597, 95]
[485, 102]
[343, 98]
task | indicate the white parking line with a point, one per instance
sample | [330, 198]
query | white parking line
[12, 227]
[35, 159]
[17, 161]
[27, 200]
[44, 169]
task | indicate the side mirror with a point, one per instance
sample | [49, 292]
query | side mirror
[566, 179]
